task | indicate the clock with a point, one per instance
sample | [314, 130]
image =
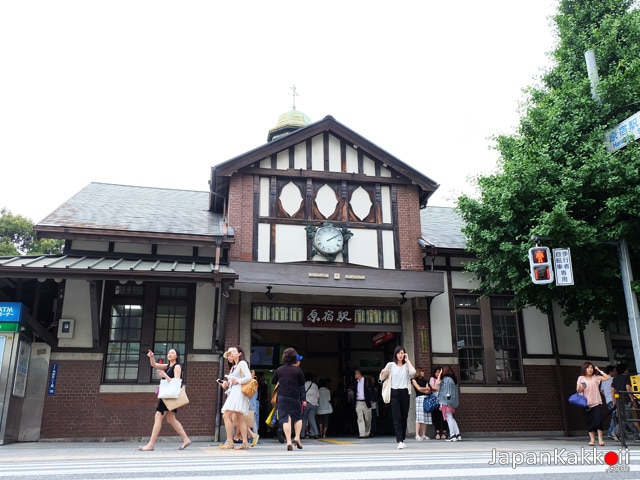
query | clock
[328, 241]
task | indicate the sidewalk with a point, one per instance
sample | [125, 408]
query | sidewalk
[168, 447]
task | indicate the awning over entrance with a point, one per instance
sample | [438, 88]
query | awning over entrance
[112, 268]
[335, 279]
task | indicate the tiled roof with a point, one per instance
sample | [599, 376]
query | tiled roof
[95, 266]
[442, 227]
[138, 209]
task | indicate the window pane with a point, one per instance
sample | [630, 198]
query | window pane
[507, 352]
[469, 338]
[466, 301]
[471, 366]
[170, 331]
[123, 348]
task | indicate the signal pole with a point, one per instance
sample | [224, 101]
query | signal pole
[623, 250]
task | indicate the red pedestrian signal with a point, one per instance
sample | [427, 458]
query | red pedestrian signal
[540, 264]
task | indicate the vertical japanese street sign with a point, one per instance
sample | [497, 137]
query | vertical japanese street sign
[562, 266]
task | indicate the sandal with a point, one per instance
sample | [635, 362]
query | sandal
[437, 437]
[591, 444]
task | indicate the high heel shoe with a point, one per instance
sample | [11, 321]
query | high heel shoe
[289, 448]
[298, 444]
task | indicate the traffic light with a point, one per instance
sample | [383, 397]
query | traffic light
[540, 263]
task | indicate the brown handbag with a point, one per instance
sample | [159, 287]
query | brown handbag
[250, 388]
[181, 401]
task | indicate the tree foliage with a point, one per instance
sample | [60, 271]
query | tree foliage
[556, 178]
[17, 237]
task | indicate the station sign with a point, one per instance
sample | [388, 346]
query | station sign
[625, 132]
[328, 316]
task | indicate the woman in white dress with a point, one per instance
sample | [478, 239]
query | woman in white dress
[237, 403]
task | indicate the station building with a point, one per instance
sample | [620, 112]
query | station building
[318, 239]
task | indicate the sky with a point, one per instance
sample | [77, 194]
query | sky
[155, 93]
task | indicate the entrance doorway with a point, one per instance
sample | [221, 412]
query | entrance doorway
[333, 356]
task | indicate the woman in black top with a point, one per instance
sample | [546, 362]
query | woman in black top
[170, 370]
[291, 398]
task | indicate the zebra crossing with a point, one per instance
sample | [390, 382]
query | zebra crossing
[210, 464]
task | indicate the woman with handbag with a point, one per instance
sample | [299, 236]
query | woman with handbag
[422, 390]
[589, 385]
[167, 371]
[237, 403]
[400, 371]
[291, 396]
[438, 420]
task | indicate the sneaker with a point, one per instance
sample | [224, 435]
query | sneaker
[459, 437]
[419, 438]
[614, 436]
[401, 445]
[424, 437]
[452, 439]
[254, 440]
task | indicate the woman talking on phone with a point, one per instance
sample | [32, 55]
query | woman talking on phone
[401, 371]
[589, 385]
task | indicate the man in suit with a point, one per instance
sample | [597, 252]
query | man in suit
[363, 405]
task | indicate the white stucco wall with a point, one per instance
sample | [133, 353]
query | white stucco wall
[291, 243]
[203, 321]
[78, 307]
[537, 337]
[363, 247]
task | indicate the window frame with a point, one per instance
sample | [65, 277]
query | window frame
[150, 299]
[486, 313]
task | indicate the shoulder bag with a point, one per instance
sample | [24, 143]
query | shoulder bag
[180, 401]
[579, 400]
[169, 389]
[386, 387]
[430, 403]
[250, 388]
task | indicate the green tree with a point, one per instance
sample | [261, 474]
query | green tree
[17, 237]
[556, 178]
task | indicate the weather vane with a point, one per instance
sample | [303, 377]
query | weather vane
[294, 94]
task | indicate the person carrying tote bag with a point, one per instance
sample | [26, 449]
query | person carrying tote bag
[170, 372]
[398, 373]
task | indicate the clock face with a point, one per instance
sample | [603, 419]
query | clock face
[328, 240]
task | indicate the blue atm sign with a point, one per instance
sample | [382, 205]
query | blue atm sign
[10, 312]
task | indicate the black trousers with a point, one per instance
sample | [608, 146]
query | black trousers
[400, 412]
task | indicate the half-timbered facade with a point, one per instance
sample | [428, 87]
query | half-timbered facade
[318, 239]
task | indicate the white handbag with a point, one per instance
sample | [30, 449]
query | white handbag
[170, 389]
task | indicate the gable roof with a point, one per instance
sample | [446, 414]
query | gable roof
[441, 227]
[175, 216]
[221, 172]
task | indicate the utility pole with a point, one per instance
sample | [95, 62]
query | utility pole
[623, 250]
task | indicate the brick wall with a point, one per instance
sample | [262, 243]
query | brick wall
[409, 228]
[79, 411]
[241, 216]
